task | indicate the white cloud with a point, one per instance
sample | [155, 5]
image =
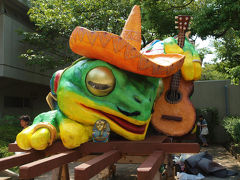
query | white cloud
[208, 43]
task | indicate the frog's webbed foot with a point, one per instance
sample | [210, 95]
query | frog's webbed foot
[73, 134]
[38, 136]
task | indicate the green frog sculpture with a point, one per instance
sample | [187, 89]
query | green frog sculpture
[113, 82]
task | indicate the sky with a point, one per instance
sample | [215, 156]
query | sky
[203, 44]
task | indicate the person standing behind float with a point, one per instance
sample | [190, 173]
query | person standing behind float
[24, 121]
[203, 130]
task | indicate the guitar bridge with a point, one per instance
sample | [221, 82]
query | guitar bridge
[174, 118]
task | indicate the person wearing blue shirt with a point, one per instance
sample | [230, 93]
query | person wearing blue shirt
[203, 130]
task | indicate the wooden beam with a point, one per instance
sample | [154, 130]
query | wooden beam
[57, 147]
[94, 166]
[156, 138]
[150, 166]
[41, 166]
[136, 148]
[19, 159]
[140, 147]
[126, 147]
[13, 147]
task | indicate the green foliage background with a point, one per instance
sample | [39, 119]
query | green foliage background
[10, 127]
[210, 72]
[232, 125]
[54, 20]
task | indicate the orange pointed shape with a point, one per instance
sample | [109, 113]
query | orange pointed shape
[132, 28]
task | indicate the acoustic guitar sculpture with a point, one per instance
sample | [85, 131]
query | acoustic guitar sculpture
[174, 113]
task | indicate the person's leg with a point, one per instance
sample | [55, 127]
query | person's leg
[203, 139]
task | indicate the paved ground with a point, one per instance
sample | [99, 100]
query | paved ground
[129, 171]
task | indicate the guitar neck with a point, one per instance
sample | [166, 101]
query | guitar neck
[183, 22]
[177, 76]
[181, 38]
[175, 81]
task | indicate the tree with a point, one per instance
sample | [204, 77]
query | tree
[203, 52]
[210, 72]
[159, 17]
[220, 19]
[216, 17]
[55, 20]
[228, 52]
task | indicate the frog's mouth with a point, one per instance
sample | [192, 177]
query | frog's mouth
[137, 129]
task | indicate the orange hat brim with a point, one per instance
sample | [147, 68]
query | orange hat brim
[115, 50]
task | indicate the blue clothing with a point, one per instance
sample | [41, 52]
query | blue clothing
[204, 122]
[203, 136]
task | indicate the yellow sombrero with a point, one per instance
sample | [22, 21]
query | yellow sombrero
[124, 51]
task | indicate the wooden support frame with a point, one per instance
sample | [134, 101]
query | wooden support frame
[61, 173]
[140, 147]
[126, 147]
[92, 167]
[41, 166]
[150, 166]
[19, 159]
[152, 150]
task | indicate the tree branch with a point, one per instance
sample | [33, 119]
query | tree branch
[178, 7]
[221, 34]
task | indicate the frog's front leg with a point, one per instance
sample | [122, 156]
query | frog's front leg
[40, 134]
[73, 134]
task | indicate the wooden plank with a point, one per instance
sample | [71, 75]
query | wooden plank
[13, 147]
[57, 147]
[19, 159]
[150, 166]
[65, 172]
[156, 138]
[94, 166]
[145, 147]
[128, 147]
[140, 147]
[170, 167]
[41, 166]
[136, 148]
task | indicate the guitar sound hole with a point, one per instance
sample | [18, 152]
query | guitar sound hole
[173, 97]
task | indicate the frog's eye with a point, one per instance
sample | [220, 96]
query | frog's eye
[100, 81]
